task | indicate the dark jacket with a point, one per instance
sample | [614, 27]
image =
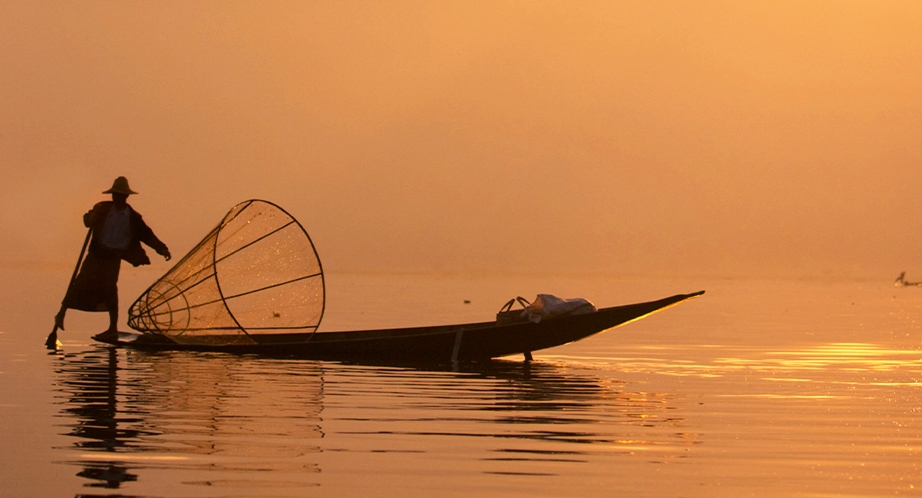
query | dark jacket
[140, 232]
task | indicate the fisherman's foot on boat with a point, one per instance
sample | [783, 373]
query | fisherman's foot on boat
[109, 336]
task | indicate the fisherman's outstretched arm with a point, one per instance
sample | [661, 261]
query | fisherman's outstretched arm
[148, 237]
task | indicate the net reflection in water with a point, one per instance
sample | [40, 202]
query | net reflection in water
[205, 420]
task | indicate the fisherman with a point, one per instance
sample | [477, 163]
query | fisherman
[118, 231]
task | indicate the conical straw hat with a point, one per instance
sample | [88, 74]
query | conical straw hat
[120, 186]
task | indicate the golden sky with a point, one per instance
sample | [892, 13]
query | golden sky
[670, 138]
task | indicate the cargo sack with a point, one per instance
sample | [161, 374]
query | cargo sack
[546, 307]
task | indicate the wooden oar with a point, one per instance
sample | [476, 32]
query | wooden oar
[52, 341]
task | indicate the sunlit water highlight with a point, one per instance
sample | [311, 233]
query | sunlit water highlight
[722, 396]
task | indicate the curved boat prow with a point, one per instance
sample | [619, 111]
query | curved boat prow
[562, 331]
[663, 304]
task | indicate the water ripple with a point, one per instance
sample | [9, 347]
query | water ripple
[221, 421]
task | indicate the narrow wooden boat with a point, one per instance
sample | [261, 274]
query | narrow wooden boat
[254, 284]
[436, 344]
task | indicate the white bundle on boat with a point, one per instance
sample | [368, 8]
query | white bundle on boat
[547, 306]
[257, 272]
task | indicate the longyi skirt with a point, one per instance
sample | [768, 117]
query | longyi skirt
[96, 286]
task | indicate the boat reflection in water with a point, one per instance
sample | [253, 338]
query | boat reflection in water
[541, 419]
[157, 423]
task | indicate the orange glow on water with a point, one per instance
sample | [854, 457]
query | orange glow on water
[837, 363]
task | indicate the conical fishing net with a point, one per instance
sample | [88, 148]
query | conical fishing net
[255, 274]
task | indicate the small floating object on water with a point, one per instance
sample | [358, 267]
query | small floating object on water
[901, 281]
[467, 301]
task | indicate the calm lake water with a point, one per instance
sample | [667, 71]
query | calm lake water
[758, 388]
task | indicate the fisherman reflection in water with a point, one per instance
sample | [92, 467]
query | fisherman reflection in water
[117, 232]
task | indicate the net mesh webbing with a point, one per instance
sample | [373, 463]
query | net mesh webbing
[257, 272]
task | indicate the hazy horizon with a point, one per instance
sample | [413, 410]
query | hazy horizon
[692, 138]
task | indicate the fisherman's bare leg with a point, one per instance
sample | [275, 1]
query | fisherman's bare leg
[59, 318]
[112, 304]
[113, 319]
[111, 334]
